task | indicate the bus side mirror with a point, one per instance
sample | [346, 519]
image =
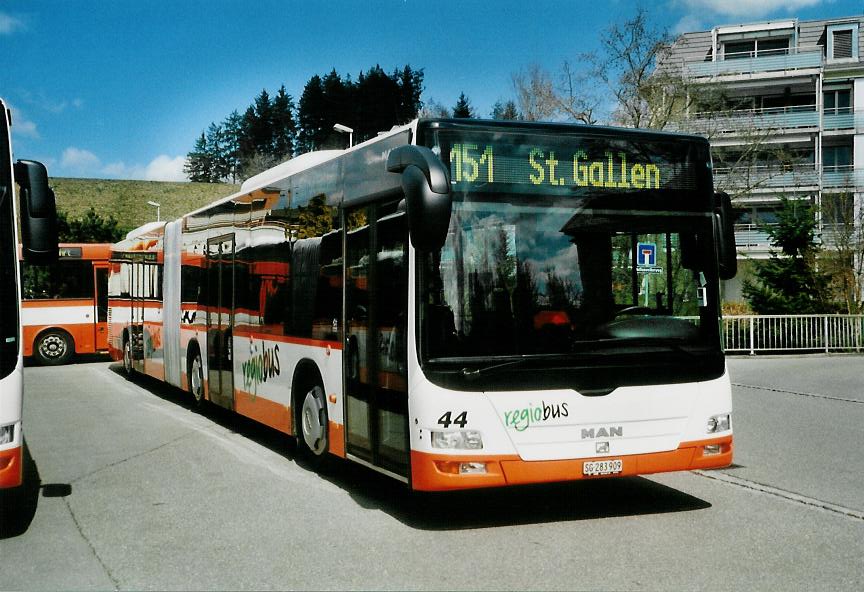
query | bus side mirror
[38, 213]
[724, 230]
[426, 184]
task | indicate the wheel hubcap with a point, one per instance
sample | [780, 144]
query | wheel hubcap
[52, 347]
[313, 422]
[197, 382]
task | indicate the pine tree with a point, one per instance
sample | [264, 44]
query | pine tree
[411, 88]
[506, 111]
[233, 132]
[198, 162]
[284, 127]
[378, 100]
[462, 109]
[790, 281]
[311, 116]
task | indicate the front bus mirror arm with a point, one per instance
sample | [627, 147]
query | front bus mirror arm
[426, 184]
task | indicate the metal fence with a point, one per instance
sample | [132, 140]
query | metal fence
[779, 333]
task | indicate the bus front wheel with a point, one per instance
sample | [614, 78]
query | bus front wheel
[54, 347]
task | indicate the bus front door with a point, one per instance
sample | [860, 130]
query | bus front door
[100, 303]
[220, 319]
[376, 307]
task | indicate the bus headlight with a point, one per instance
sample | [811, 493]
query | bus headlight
[7, 434]
[719, 423]
[462, 439]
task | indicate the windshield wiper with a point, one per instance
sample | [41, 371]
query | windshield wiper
[583, 350]
[476, 372]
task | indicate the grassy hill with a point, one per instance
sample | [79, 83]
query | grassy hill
[127, 200]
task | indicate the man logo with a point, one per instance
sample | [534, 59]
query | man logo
[610, 432]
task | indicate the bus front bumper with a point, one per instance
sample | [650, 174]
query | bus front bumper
[438, 472]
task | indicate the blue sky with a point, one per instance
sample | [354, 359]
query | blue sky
[122, 88]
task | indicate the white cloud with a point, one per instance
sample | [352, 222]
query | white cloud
[80, 161]
[162, 168]
[9, 24]
[165, 168]
[688, 24]
[21, 126]
[746, 8]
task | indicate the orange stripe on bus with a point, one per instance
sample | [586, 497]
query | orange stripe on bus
[438, 472]
[57, 302]
[270, 413]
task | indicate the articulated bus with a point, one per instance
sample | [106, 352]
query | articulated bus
[455, 303]
[65, 304]
[38, 223]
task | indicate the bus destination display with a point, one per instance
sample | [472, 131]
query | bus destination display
[484, 166]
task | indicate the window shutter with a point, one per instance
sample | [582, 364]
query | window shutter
[842, 44]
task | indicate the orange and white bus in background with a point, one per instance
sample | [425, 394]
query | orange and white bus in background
[65, 304]
[32, 207]
[454, 303]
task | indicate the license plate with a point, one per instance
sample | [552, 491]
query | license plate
[602, 467]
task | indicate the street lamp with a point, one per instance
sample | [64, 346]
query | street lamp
[344, 129]
[157, 206]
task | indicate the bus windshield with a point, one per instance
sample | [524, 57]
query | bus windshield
[582, 279]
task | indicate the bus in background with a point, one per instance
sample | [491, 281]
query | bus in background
[65, 304]
[38, 221]
[454, 303]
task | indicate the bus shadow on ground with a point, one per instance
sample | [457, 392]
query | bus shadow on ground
[457, 510]
[511, 506]
[32, 362]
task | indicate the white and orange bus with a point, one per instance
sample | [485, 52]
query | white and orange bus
[454, 303]
[34, 210]
[65, 304]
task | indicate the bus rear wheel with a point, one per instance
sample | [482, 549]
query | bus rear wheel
[54, 347]
[196, 379]
[127, 356]
[313, 426]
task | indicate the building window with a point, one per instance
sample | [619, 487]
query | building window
[843, 42]
[838, 101]
[836, 159]
[755, 48]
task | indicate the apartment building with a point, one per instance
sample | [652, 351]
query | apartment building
[790, 121]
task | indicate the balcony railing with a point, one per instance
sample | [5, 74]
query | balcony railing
[840, 176]
[756, 235]
[793, 58]
[751, 235]
[838, 118]
[742, 120]
[767, 176]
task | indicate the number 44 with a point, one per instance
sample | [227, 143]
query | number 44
[447, 419]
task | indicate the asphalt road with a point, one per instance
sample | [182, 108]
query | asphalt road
[128, 488]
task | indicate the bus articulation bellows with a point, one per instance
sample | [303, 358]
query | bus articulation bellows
[454, 303]
[34, 209]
